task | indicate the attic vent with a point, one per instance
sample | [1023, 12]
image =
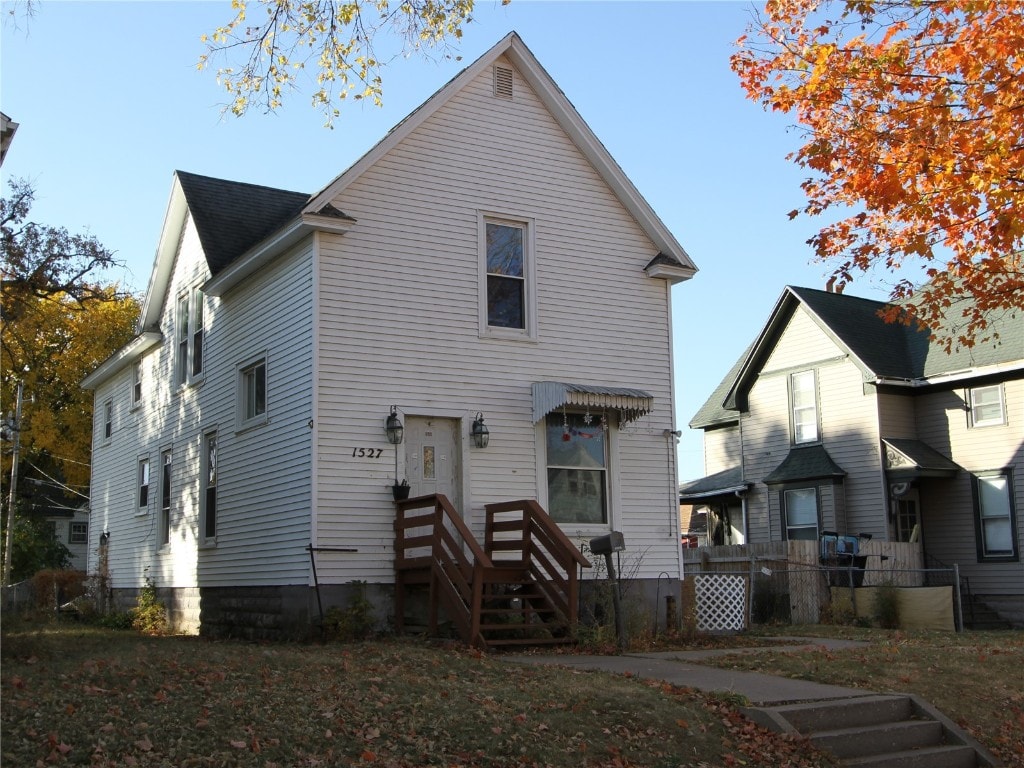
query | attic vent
[503, 82]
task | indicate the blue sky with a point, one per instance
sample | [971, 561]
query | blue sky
[109, 104]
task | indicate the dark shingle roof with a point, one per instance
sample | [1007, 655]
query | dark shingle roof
[231, 216]
[806, 462]
[713, 411]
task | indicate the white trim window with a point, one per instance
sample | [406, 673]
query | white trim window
[137, 384]
[987, 406]
[507, 290]
[190, 335]
[165, 497]
[208, 488]
[577, 469]
[801, 514]
[143, 484]
[803, 402]
[108, 420]
[252, 394]
[995, 520]
[79, 533]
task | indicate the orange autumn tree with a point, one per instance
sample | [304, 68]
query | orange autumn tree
[913, 112]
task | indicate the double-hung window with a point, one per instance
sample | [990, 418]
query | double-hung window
[190, 318]
[507, 286]
[801, 514]
[253, 392]
[803, 407]
[208, 500]
[108, 419]
[987, 407]
[577, 461]
[143, 485]
[137, 384]
[995, 520]
[79, 533]
[165, 497]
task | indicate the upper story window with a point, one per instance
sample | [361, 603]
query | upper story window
[577, 459]
[137, 384]
[995, 521]
[987, 406]
[189, 319]
[803, 402]
[507, 263]
[253, 394]
[801, 514]
[108, 419]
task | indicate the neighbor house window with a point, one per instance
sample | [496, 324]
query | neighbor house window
[137, 383]
[190, 335]
[254, 391]
[800, 513]
[143, 484]
[108, 419]
[507, 265]
[79, 533]
[577, 459]
[987, 407]
[804, 407]
[165, 497]
[208, 501]
[995, 520]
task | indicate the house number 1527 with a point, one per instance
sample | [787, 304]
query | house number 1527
[367, 453]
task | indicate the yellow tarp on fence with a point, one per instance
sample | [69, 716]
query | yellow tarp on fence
[919, 607]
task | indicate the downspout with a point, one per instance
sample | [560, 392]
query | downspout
[743, 478]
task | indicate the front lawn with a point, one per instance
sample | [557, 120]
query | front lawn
[79, 695]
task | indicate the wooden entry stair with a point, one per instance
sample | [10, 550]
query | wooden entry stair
[520, 588]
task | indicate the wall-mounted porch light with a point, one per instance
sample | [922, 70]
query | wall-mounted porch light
[393, 427]
[480, 434]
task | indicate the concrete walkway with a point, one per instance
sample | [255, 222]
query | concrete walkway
[678, 668]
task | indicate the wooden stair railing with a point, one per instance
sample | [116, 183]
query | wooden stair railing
[530, 596]
[447, 557]
[521, 534]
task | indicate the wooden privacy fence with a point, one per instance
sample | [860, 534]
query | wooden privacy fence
[789, 579]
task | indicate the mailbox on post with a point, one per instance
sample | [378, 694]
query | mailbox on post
[605, 545]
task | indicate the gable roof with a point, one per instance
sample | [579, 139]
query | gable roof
[671, 261]
[232, 216]
[888, 353]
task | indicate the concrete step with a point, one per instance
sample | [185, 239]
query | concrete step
[879, 739]
[943, 756]
[878, 731]
[846, 713]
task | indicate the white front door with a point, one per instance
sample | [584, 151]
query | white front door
[431, 457]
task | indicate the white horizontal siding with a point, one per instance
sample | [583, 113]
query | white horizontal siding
[264, 476]
[721, 449]
[398, 324]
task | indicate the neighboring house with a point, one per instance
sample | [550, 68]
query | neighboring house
[7, 130]
[833, 420]
[486, 262]
[71, 528]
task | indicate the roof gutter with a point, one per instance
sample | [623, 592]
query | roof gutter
[952, 376]
[265, 252]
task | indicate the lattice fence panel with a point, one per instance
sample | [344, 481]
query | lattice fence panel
[721, 602]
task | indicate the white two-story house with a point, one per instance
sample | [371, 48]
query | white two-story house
[487, 264]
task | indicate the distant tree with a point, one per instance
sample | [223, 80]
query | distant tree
[35, 549]
[335, 39]
[913, 112]
[58, 321]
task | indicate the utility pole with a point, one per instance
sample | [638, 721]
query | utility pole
[14, 425]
